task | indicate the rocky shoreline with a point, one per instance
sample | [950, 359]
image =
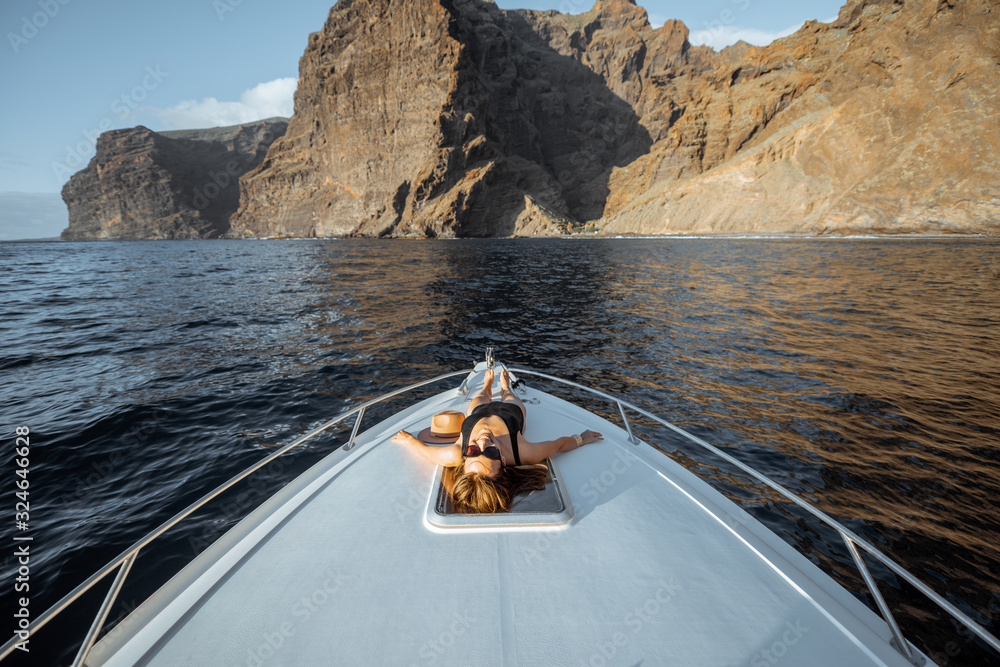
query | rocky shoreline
[454, 118]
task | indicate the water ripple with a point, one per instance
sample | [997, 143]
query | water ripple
[863, 374]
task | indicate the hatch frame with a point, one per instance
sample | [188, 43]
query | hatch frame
[521, 516]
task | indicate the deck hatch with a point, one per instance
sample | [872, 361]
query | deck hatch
[543, 508]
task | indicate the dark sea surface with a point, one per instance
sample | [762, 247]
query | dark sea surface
[863, 374]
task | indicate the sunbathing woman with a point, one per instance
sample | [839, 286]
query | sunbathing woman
[480, 473]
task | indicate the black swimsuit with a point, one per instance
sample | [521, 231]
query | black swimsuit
[511, 415]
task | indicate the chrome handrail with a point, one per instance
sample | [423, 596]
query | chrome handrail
[848, 536]
[127, 558]
[130, 553]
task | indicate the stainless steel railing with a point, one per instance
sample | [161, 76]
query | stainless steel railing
[850, 539]
[125, 560]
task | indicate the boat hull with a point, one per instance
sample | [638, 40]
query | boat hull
[654, 567]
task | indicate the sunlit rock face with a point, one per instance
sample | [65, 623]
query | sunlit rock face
[882, 121]
[456, 118]
[427, 118]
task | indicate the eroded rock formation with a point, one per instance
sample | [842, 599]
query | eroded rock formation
[457, 118]
[429, 117]
[164, 185]
[882, 121]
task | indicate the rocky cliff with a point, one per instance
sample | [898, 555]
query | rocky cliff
[427, 117]
[453, 117]
[457, 118]
[882, 121]
[165, 185]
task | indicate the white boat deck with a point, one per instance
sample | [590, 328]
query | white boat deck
[655, 568]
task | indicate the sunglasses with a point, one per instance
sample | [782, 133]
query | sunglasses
[491, 452]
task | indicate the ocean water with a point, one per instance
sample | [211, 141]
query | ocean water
[863, 374]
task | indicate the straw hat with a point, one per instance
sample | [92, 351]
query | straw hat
[445, 427]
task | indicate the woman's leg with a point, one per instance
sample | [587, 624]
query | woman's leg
[507, 394]
[485, 395]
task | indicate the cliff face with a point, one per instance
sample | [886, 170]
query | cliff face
[457, 118]
[164, 185]
[881, 121]
[429, 117]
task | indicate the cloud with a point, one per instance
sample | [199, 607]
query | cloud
[13, 164]
[719, 36]
[271, 98]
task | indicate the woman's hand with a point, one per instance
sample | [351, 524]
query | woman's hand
[402, 438]
[590, 436]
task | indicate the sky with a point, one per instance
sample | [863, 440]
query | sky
[70, 69]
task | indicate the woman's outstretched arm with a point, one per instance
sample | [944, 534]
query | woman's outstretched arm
[446, 455]
[536, 452]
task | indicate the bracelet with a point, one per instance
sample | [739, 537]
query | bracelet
[579, 440]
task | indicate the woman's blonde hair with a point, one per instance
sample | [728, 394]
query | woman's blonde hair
[473, 493]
